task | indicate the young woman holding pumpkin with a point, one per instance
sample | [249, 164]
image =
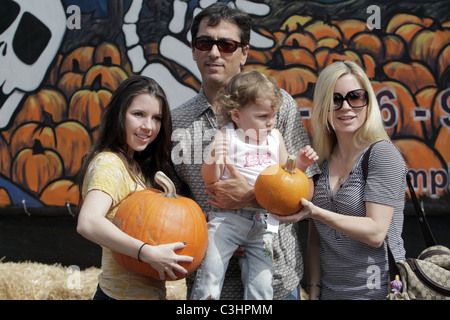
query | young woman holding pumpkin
[133, 144]
[352, 216]
[247, 110]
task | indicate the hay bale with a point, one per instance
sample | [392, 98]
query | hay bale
[176, 290]
[37, 281]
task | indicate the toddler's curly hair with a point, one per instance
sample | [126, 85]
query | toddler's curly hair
[243, 89]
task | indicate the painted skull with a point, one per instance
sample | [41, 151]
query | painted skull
[31, 33]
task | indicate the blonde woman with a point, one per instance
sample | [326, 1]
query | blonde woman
[352, 217]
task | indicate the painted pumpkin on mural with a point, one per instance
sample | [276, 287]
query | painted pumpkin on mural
[407, 59]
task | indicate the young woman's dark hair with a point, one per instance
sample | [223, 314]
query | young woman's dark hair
[156, 157]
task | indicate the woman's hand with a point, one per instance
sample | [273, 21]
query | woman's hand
[164, 259]
[304, 213]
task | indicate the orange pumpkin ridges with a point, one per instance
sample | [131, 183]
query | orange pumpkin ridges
[158, 218]
[34, 167]
[280, 188]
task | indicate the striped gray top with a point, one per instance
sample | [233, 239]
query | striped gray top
[350, 268]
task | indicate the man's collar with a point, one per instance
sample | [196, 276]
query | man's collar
[203, 103]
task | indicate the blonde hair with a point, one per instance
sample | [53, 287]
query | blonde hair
[243, 89]
[324, 135]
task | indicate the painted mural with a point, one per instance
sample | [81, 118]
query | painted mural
[60, 61]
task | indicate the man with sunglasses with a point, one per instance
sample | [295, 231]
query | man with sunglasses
[220, 46]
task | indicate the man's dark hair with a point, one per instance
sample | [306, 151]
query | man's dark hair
[221, 11]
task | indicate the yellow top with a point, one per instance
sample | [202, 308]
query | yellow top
[108, 173]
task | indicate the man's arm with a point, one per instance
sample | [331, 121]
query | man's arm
[232, 193]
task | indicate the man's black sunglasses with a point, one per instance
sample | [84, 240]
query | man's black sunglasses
[356, 99]
[224, 45]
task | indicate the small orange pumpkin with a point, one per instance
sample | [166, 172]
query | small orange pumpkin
[350, 27]
[5, 156]
[294, 80]
[71, 81]
[427, 44]
[60, 192]
[83, 55]
[33, 168]
[69, 138]
[158, 218]
[302, 39]
[107, 49]
[295, 22]
[50, 100]
[280, 188]
[5, 199]
[112, 75]
[87, 105]
[323, 29]
[326, 56]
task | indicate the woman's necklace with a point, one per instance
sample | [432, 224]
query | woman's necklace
[343, 176]
[342, 170]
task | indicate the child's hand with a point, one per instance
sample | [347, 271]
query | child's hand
[306, 157]
[218, 149]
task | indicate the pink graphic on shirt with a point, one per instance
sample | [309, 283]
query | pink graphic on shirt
[253, 160]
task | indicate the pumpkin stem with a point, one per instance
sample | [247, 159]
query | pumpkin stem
[76, 66]
[290, 165]
[97, 83]
[37, 147]
[107, 61]
[166, 184]
[48, 120]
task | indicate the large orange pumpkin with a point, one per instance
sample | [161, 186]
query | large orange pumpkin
[279, 188]
[158, 218]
